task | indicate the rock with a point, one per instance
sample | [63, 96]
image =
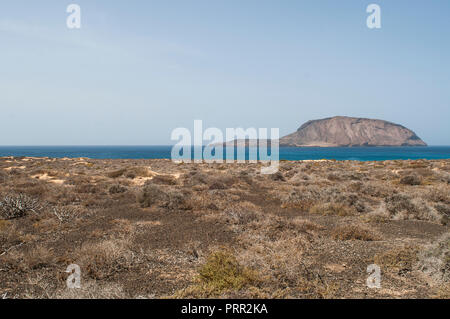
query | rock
[344, 131]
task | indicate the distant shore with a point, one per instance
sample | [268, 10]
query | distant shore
[285, 153]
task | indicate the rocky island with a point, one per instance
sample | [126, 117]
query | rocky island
[342, 131]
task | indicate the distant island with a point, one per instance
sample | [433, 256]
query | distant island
[343, 131]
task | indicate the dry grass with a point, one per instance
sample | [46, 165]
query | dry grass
[399, 260]
[104, 259]
[434, 260]
[221, 273]
[332, 209]
[354, 232]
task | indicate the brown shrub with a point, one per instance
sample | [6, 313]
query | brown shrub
[332, 209]
[242, 213]
[106, 258]
[3, 177]
[278, 177]
[411, 180]
[434, 259]
[221, 273]
[138, 172]
[88, 189]
[117, 189]
[116, 173]
[399, 260]
[164, 180]
[354, 232]
[161, 196]
[16, 206]
[32, 258]
[302, 198]
[221, 182]
[39, 257]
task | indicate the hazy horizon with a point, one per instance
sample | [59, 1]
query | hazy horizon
[137, 70]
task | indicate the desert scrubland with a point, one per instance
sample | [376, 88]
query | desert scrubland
[157, 229]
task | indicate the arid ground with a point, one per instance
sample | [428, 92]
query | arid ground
[157, 229]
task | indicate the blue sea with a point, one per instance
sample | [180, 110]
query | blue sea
[286, 153]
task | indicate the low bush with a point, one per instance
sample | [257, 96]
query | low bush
[117, 189]
[332, 209]
[354, 232]
[411, 180]
[16, 206]
[152, 195]
[116, 173]
[399, 260]
[222, 271]
[434, 260]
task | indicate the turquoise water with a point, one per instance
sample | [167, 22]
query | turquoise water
[286, 153]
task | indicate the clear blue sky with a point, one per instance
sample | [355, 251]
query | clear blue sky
[138, 69]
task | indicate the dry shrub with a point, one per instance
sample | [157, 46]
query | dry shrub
[299, 178]
[16, 206]
[220, 274]
[242, 213]
[39, 257]
[10, 236]
[195, 177]
[164, 180]
[354, 232]
[303, 198]
[31, 188]
[411, 180]
[379, 215]
[221, 182]
[306, 226]
[267, 228]
[91, 289]
[31, 258]
[66, 214]
[117, 189]
[88, 189]
[438, 193]
[152, 194]
[275, 246]
[402, 206]
[284, 274]
[442, 292]
[138, 172]
[376, 189]
[400, 260]
[106, 258]
[278, 177]
[116, 173]
[3, 177]
[332, 209]
[443, 209]
[434, 260]
[222, 271]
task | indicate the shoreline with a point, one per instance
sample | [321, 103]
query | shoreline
[28, 158]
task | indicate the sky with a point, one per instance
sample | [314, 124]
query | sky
[136, 70]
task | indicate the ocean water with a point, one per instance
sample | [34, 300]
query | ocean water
[286, 153]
